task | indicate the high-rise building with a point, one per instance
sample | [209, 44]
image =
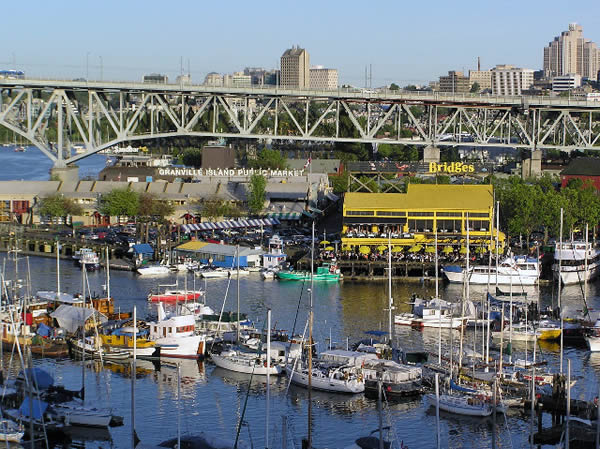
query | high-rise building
[566, 83]
[295, 65]
[510, 80]
[213, 79]
[455, 82]
[322, 78]
[571, 53]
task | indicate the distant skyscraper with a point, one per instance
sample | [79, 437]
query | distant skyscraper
[295, 64]
[572, 54]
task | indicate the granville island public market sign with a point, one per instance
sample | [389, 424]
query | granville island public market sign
[224, 172]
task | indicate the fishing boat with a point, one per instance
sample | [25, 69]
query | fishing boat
[461, 405]
[515, 270]
[11, 431]
[325, 272]
[570, 260]
[174, 335]
[174, 296]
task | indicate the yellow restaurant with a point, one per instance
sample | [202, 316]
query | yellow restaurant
[412, 218]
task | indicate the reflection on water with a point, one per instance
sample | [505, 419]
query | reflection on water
[212, 399]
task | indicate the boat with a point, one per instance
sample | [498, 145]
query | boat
[174, 335]
[89, 260]
[240, 272]
[397, 380]
[247, 363]
[91, 349]
[78, 254]
[19, 149]
[435, 313]
[593, 340]
[153, 270]
[325, 272]
[267, 274]
[174, 296]
[325, 376]
[11, 431]
[461, 405]
[121, 337]
[515, 270]
[214, 273]
[570, 262]
[37, 413]
[73, 414]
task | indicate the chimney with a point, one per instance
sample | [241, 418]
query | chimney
[478, 64]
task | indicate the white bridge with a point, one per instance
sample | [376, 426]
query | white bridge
[53, 114]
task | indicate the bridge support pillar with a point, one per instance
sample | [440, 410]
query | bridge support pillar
[431, 154]
[532, 166]
[65, 174]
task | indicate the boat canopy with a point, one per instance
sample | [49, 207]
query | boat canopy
[71, 318]
[37, 377]
[35, 405]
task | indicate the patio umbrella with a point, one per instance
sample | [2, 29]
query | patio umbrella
[397, 249]
[480, 249]
[463, 250]
[447, 249]
[430, 249]
[415, 249]
[382, 248]
[364, 250]
[346, 247]
[329, 248]
[325, 242]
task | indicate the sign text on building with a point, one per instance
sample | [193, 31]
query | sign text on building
[451, 167]
[196, 172]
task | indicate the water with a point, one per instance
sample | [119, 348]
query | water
[212, 399]
[33, 165]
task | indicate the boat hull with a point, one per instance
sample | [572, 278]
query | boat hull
[459, 406]
[593, 343]
[82, 416]
[305, 276]
[191, 347]
[351, 386]
[251, 365]
[485, 279]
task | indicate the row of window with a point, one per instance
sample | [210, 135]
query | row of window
[371, 213]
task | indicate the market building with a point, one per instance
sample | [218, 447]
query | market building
[412, 218]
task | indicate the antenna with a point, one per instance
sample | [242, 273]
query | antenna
[370, 76]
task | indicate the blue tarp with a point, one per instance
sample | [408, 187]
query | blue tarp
[456, 387]
[36, 406]
[37, 376]
[144, 249]
[43, 330]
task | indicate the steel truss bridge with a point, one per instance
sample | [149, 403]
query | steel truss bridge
[54, 114]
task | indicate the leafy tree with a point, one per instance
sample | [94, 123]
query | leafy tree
[475, 87]
[192, 157]
[256, 193]
[410, 87]
[394, 86]
[57, 206]
[216, 208]
[269, 159]
[119, 202]
[340, 182]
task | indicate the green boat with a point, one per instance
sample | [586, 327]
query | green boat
[325, 272]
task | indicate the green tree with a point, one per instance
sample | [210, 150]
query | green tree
[192, 157]
[410, 87]
[269, 159]
[394, 86]
[475, 87]
[215, 208]
[257, 193]
[57, 206]
[340, 182]
[119, 202]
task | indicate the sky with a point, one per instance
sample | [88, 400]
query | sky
[404, 42]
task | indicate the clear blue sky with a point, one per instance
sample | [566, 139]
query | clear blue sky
[405, 41]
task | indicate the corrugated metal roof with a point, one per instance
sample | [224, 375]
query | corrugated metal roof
[41, 188]
[425, 196]
[584, 166]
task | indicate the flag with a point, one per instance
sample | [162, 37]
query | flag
[308, 161]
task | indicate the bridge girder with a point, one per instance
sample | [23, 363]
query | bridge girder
[53, 115]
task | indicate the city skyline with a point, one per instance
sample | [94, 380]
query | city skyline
[75, 40]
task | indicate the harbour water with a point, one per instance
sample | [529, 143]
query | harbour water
[212, 399]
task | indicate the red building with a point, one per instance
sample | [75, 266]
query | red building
[585, 168]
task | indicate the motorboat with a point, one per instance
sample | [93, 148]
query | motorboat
[570, 261]
[241, 272]
[213, 273]
[325, 272]
[435, 313]
[154, 270]
[398, 380]
[89, 260]
[325, 376]
[93, 349]
[174, 335]
[267, 274]
[515, 270]
[461, 405]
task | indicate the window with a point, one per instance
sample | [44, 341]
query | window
[449, 226]
[420, 225]
[360, 212]
[390, 214]
[478, 215]
[420, 214]
[449, 214]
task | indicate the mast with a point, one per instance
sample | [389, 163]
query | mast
[237, 256]
[107, 274]
[268, 377]
[310, 336]
[133, 374]
[390, 299]
[178, 405]
[560, 244]
[437, 297]
[57, 270]
[465, 295]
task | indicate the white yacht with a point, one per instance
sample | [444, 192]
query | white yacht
[515, 270]
[570, 261]
[175, 335]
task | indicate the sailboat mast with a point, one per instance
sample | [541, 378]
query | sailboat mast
[57, 270]
[437, 298]
[465, 296]
[107, 274]
[133, 374]
[237, 256]
[390, 299]
[310, 336]
[560, 245]
[268, 377]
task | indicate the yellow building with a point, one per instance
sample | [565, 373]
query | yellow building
[412, 218]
